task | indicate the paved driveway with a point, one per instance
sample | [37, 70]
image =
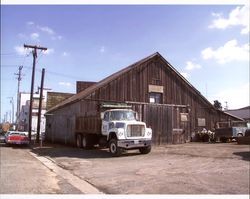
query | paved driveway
[192, 168]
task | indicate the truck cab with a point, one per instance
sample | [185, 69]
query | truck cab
[123, 131]
[230, 130]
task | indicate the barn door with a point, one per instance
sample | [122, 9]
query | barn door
[160, 120]
[181, 125]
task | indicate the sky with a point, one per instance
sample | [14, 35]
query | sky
[207, 44]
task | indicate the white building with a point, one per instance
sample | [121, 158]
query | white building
[23, 120]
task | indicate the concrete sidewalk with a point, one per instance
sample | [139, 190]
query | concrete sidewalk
[74, 180]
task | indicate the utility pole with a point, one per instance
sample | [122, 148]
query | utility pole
[226, 107]
[12, 110]
[34, 52]
[19, 78]
[40, 107]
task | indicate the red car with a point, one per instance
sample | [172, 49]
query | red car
[16, 137]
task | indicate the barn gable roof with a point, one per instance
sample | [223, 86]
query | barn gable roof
[85, 93]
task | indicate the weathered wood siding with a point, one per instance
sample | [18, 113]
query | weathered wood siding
[82, 85]
[54, 98]
[60, 125]
[133, 86]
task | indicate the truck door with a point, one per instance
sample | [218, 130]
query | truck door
[105, 124]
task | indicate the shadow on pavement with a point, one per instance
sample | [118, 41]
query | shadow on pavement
[245, 155]
[54, 151]
[15, 146]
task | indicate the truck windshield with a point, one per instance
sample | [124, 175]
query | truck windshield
[122, 115]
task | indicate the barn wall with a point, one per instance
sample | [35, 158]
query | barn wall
[133, 86]
[54, 98]
[60, 125]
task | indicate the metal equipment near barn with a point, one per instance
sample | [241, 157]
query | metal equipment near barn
[163, 98]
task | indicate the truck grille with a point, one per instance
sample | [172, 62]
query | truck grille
[135, 130]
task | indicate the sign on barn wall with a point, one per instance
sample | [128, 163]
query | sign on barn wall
[184, 117]
[201, 122]
[155, 89]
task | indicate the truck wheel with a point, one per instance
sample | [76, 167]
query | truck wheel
[145, 150]
[84, 141]
[113, 148]
[87, 141]
[78, 141]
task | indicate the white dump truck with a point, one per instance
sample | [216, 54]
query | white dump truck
[117, 128]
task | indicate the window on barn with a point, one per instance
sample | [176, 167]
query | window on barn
[155, 98]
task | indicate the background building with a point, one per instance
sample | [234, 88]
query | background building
[23, 119]
[243, 113]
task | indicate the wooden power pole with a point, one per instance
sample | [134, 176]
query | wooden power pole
[19, 78]
[34, 52]
[40, 107]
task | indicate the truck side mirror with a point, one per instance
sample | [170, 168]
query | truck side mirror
[102, 116]
[136, 117]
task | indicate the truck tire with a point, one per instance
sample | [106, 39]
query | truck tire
[84, 142]
[114, 149]
[87, 143]
[78, 141]
[145, 150]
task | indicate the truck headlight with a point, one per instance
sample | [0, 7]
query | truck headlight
[120, 132]
[149, 132]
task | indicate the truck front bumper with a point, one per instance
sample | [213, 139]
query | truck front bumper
[133, 144]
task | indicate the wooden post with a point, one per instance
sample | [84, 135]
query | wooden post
[40, 107]
[32, 83]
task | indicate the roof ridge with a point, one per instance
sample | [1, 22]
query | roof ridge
[111, 77]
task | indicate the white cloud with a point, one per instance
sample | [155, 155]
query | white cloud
[191, 66]
[65, 54]
[20, 50]
[186, 75]
[231, 51]
[237, 17]
[48, 51]
[30, 23]
[236, 97]
[59, 37]
[34, 36]
[67, 84]
[22, 36]
[46, 29]
[102, 49]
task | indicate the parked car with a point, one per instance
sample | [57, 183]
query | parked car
[2, 136]
[16, 137]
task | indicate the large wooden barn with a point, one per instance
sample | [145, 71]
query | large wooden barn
[164, 99]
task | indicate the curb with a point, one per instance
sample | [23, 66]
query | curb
[74, 180]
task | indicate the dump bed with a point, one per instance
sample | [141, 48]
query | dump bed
[89, 124]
